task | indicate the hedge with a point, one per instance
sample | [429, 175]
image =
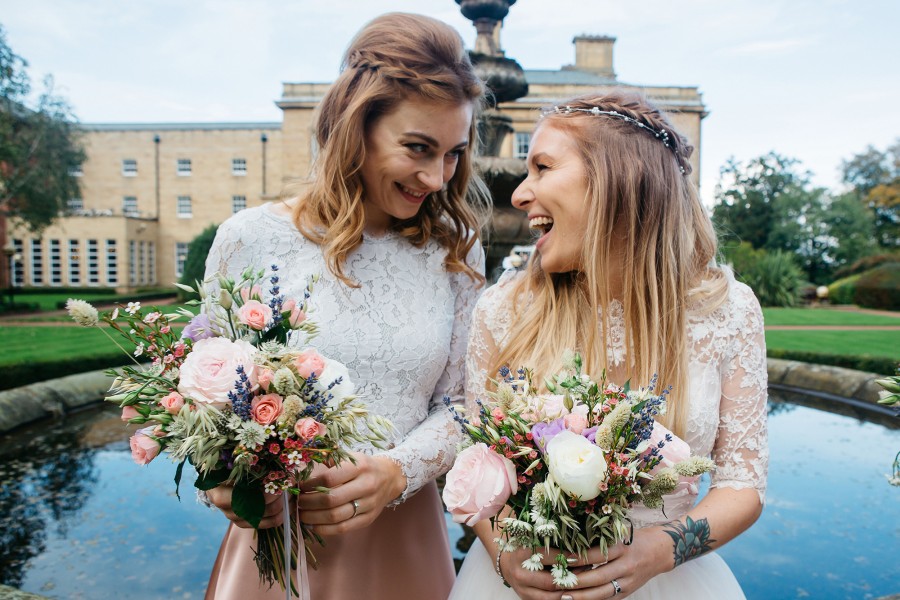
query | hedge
[879, 288]
[17, 375]
[870, 364]
[843, 290]
[125, 298]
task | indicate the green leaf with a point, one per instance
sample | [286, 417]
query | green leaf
[208, 481]
[178, 470]
[248, 502]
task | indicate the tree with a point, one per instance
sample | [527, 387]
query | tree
[875, 176]
[39, 147]
[747, 197]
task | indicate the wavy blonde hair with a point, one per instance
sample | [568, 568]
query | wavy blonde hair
[396, 57]
[638, 196]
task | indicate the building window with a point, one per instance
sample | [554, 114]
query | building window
[151, 263]
[132, 262]
[238, 203]
[18, 263]
[129, 205]
[239, 166]
[37, 262]
[75, 204]
[93, 262]
[55, 262]
[184, 166]
[523, 139]
[112, 263]
[183, 209]
[74, 263]
[181, 250]
[142, 262]
[129, 167]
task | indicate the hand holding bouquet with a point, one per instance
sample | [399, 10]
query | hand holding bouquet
[234, 396]
[569, 464]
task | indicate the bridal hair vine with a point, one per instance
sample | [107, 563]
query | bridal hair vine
[661, 134]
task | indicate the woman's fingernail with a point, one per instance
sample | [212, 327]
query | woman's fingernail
[565, 597]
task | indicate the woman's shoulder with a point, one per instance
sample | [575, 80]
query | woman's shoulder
[501, 293]
[257, 222]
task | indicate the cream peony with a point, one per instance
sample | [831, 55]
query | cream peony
[209, 372]
[577, 465]
[479, 484]
[332, 371]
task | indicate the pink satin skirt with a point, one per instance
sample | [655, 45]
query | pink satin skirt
[405, 553]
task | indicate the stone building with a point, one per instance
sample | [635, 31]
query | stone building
[149, 189]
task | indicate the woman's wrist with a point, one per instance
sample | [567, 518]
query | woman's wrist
[498, 568]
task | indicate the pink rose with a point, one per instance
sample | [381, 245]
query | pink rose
[308, 362]
[144, 447]
[549, 407]
[575, 422]
[255, 314]
[129, 412]
[672, 452]
[172, 402]
[297, 317]
[264, 377]
[307, 429]
[209, 371]
[247, 294]
[265, 409]
[479, 484]
[288, 305]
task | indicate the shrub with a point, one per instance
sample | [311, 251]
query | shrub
[843, 290]
[741, 257]
[870, 364]
[195, 262]
[775, 279]
[867, 262]
[879, 288]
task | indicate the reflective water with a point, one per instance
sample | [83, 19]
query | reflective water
[78, 520]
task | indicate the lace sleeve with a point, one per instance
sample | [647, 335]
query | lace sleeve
[430, 448]
[490, 323]
[229, 254]
[741, 449]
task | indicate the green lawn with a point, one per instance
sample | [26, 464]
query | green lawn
[853, 343]
[40, 344]
[824, 316]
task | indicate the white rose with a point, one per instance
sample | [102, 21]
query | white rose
[576, 465]
[209, 371]
[332, 371]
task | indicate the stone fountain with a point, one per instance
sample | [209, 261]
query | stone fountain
[505, 80]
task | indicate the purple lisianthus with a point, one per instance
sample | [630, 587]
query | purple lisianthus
[199, 328]
[591, 434]
[544, 432]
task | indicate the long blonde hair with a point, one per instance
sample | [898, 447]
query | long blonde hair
[395, 57]
[666, 245]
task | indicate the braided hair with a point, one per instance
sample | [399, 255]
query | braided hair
[396, 57]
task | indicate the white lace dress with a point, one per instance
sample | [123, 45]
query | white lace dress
[726, 421]
[402, 335]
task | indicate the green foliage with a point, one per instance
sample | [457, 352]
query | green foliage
[843, 290]
[741, 256]
[24, 373]
[775, 278]
[195, 262]
[879, 288]
[871, 364]
[39, 147]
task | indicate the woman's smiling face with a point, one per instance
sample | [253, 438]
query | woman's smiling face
[555, 197]
[411, 152]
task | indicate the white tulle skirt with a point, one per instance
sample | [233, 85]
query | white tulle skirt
[705, 577]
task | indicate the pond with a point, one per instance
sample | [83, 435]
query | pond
[79, 520]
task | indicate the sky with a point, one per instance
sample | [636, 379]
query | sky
[816, 80]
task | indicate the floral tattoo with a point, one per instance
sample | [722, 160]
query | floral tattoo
[691, 539]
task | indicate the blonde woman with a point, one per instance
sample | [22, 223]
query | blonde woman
[625, 273]
[389, 221]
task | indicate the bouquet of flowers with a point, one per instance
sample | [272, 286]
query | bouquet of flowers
[233, 396]
[569, 464]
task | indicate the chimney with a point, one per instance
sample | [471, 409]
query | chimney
[594, 54]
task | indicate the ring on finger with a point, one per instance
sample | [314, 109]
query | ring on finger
[355, 504]
[617, 589]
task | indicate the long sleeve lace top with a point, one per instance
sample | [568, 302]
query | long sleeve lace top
[728, 383]
[402, 334]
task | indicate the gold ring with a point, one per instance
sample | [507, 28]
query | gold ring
[355, 504]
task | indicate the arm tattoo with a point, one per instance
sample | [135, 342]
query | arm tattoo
[691, 539]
